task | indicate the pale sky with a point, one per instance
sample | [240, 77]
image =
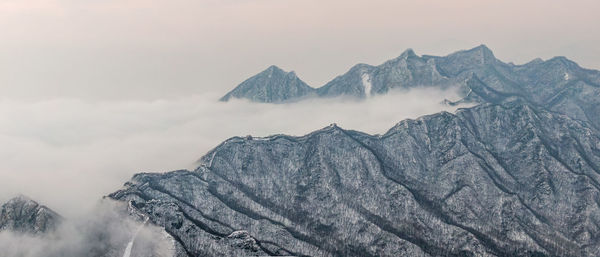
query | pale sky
[142, 49]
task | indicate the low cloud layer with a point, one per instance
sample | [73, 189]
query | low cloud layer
[104, 230]
[68, 153]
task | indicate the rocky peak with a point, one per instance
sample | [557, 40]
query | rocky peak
[479, 55]
[273, 70]
[272, 85]
[542, 82]
[408, 53]
[484, 53]
[23, 215]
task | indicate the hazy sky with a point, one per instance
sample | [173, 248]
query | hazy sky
[143, 49]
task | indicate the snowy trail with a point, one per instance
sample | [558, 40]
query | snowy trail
[130, 244]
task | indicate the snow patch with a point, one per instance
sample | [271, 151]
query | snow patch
[366, 80]
[128, 249]
[130, 244]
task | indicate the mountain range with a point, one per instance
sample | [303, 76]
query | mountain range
[517, 174]
[557, 84]
[492, 180]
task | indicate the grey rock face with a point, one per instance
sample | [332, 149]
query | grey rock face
[23, 215]
[492, 180]
[271, 86]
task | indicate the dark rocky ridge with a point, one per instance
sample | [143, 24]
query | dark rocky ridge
[492, 180]
[23, 215]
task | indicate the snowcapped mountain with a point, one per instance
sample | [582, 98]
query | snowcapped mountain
[271, 86]
[516, 175]
[508, 179]
[557, 84]
[23, 215]
[406, 71]
[33, 230]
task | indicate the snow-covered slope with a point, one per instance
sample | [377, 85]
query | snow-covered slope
[492, 180]
[271, 86]
[557, 84]
[23, 215]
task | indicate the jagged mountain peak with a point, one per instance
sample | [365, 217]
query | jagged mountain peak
[408, 53]
[273, 85]
[406, 56]
[20, 198]
[558, 83]
[535, 61]
[274, 67]
[482, 49]
[274, 70]
[21, 214]
[410, 70]
[564, 61]
[23, 200]
[407, 71]
[277, 71]
[479, 55]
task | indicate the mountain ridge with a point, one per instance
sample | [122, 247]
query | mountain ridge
[558, 83]
[440, 185]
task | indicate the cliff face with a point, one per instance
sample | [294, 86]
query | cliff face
[23, 215]
[492, 180]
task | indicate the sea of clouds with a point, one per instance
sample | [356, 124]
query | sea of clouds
[68, 153]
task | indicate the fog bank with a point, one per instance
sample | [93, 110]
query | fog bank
[68, 153]
[104, 230]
